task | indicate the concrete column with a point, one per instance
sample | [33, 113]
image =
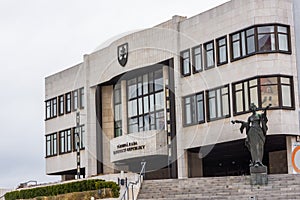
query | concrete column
[124, 107]
[289, 144]
[182, 163]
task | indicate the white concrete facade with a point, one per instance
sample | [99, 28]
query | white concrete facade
[156, 45]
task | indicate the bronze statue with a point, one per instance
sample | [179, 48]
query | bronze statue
[256, 130]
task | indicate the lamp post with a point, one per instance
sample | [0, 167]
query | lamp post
[78, 144]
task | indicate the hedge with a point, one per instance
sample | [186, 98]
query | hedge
[79, 186]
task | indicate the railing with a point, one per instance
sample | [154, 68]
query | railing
[125, 195]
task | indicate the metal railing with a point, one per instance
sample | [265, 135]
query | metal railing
[139, 181]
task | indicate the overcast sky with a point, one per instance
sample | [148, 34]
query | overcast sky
[42, 37]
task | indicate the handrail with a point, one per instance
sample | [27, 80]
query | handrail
[140, 180]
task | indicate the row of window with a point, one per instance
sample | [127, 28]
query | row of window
[65, 103]
[262, 91]
[268, 38]
[64, 141]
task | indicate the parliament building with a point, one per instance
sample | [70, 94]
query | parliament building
[166, 96]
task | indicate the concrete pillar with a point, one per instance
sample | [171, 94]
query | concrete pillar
[289, 143]
[182, 163]
[124, 107]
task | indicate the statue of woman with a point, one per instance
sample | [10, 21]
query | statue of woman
[256, 130]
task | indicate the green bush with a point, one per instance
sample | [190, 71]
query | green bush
[79, 186]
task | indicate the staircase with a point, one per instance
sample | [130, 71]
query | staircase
[284, 186]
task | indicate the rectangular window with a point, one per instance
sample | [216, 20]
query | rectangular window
[218, 103]
[65, 141]
[68, 102]
[81, 137]
[260, 39]
[147, 101]
[197, 59]
[193, 109]
[262, 91]
[81, 98]
[51, 145]
[185, 63]
[209, 55]
[118, 110]
[222, 50]
[75, 100]
[61, 105]
[51, 108]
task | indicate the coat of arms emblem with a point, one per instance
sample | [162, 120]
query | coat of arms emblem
[123, 54]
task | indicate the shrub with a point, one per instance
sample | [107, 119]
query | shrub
[79, 186]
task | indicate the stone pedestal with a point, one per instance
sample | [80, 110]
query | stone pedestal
[259, 175]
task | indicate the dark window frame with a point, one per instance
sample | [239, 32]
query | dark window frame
[53, 142]
[195, 70]
[255, 27]
[182, 62]
[81, 138]
[75, 100]
[223, 116]
[61, 105]
[66, 135]
[206, 51]
[279, 84]
[51, 108]
[81, 97]
[218, 47]
[117, 88]
[68, 102]
[194, 109]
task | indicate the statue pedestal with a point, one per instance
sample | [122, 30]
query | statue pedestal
[259, 175]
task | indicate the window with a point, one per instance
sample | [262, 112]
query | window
[260, 39]
[193, 109]
[218, 103]
[65, 141]
[117, 110]
[81, 137]
[185, 63]
[209, 55]
[61, 105]
[75, 100]
[222, 50]
[197, 59]
[51, 108]
[81, 98]
[51, 145]
[146, 102]
[68, 102]
[262, 91]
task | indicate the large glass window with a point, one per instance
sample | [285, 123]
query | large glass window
[222, 50]
[65, 141]
[193, 109]
[51, 108]
[209, 55]
[262, 91]
[218, 103]
[260, 39]
[146, 102]
[61, 105]
[68, 102]
[197, 59]
[118, 110]
[51, 145]
[81, 137]
[185, 63]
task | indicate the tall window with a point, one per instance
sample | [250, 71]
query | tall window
[51, 145]
[81, 98]
[194, 109]
[185, 63]
[197, 59]
[51, 108]
[68, 102]
[81, 137]
[117, 110]
[61, 105]
[75, 100]
[209, 55]
[65, 141]
[222, 50]
[218, 103]
[260, 39]
[262, 91]
[146, 102]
